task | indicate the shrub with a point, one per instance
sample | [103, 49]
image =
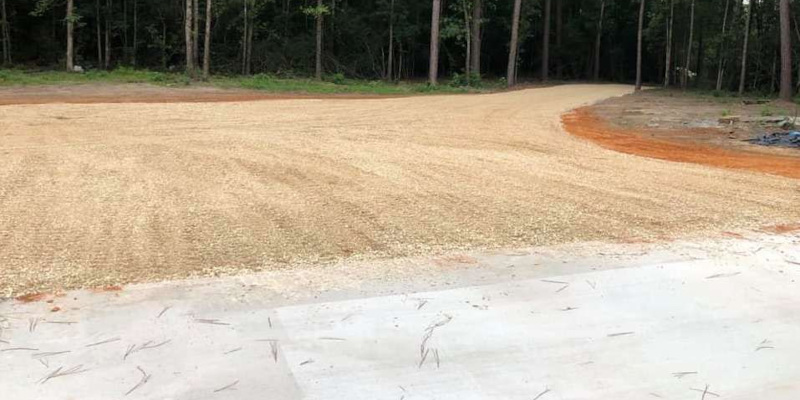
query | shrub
[458, 80]
[338, 78]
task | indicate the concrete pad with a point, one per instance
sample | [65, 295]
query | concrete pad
[726, 323]
[622, 334]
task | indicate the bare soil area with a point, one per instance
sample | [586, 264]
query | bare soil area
[682, 145]
[95, 195]
[692, 119]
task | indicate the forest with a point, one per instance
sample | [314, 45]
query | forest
[723, 45]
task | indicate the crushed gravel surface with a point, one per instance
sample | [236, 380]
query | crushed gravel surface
[106, 194]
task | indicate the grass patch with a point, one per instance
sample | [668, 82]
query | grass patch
[337, 84]
[333, 84]
[716, 96]
[17, 77]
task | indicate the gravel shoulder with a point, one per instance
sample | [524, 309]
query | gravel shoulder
[109, 194]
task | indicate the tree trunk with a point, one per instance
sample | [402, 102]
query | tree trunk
[477, 15]
[188, 38]
[196, 32]
[135, 31]
[685, 81]
[207, 43]
[389, 74]
[668, 63]
[721, 65]
[250, 28]
[511, 77]
[468, 38]
[107, 63]
[70, 34]
[598, 41]
[246, 21]
[743, 72]
[559, 38]
[99, 35]
[546, 42]
[400, 63]
[797, 36]
[125, 53]
[332, 36]
[786, 53]
[433, 67]
[163, 43]
[774, 74]
[639, 47]
[699, 66]
[6, 33]
[756, 25]
[318, 63]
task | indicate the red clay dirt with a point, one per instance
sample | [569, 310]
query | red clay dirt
[39, 296]
[584, 123]
[786, 228]
[31, 298]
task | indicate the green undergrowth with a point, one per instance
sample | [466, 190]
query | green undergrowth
[19, 77]
[331, 84]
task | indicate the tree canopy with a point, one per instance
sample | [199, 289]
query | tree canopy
[356, 41]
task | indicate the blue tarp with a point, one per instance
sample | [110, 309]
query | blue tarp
[783, 139]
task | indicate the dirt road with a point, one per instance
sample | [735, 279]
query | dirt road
[101, 194]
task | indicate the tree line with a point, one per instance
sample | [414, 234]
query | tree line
[735, 45]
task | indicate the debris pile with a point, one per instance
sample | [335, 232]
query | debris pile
[783, 139]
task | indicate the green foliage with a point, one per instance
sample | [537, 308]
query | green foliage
[75, 18]
[766, 111]
[454, 24]
[316, 11]
[271, 83]
[475, 79]
[338, 78]
[41, 7]
[461, 80]
[265, 82]
[15, 77]
[356, 40]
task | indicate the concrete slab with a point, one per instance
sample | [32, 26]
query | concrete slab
[701, 319]
[622, 334]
